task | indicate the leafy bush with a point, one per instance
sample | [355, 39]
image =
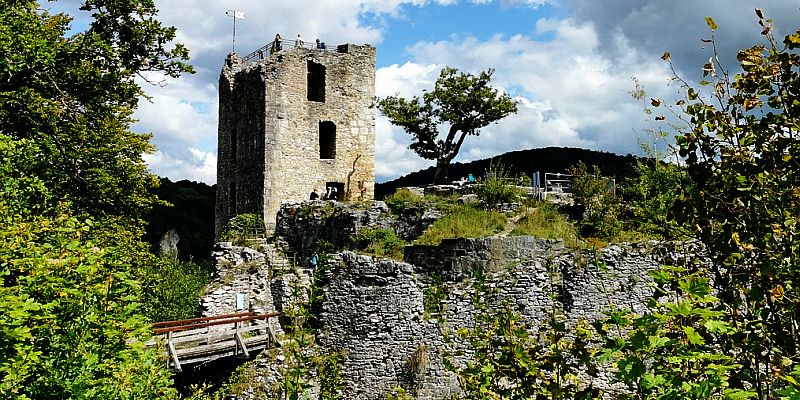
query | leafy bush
[174, 289]
[544, 221]
[434, 296]
[600, 206]
[464, 221]
[512, 361]
[498, 187]
[672, 350]
[243, 227]
[402, 198]
[379, 242]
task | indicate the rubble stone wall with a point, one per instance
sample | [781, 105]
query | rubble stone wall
[375, 309]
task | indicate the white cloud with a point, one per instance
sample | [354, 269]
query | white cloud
[569, 93]
[200, 166]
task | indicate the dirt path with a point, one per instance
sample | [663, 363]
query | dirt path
[511, 223]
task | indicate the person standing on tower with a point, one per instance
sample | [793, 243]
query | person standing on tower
[299, 41]
[276, 44]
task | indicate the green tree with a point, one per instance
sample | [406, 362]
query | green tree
[461, 100]
[74, 96]
[71, 322]
[74, 188]
[742, 154]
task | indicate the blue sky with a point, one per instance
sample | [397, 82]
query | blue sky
[569, 63]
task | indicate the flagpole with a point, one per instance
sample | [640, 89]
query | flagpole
[235, 15]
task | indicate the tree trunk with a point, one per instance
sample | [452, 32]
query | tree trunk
[440, 176]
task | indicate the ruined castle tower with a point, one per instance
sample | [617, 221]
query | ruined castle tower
[292, 122]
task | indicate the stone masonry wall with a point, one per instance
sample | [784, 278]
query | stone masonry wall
[374, 309]
[290, 166]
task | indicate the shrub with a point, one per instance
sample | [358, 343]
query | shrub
[243, 227]
[174, 288]
[402, 198]
[464, 221]
[600, 206]
[379, 242]
[498, 187]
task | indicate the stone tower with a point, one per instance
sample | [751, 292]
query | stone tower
[292, 122]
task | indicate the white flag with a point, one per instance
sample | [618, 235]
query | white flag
[235, 14]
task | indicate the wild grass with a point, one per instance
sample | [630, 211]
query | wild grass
[404, 199]
[464, 221]
[382, 243]
[544, 221]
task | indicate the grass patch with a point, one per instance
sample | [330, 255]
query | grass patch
[544, 221]
[379, 243]
[464, 221]
[404, 199]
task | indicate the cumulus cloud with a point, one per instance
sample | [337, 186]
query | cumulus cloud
[569, 93]
[200, 166]
[571, 72]
[653, 26]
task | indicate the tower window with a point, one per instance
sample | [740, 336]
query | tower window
[316, 82]
[327, 140]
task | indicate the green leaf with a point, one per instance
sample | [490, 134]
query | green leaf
[693, 336]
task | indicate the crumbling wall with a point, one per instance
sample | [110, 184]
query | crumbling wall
[374, 309]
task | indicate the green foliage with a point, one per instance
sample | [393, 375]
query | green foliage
[380, 242]
[399, 394]
[651, 195]
[672, 350]
[242, 228]
[72, 327]
[513, 362]
[600, 206]
[544, 221]
[173, 289]
[461, 100]
[743, 155]
[329, 371]
[464, 221]
[74, 96]
[434, 296]
[402, 199]
[498, 188]
[74, 188]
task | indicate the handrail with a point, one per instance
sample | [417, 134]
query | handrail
[202, 319]
[265, 50]
[219, 321]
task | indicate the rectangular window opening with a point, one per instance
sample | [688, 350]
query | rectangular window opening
[316, 82]
[327, 140]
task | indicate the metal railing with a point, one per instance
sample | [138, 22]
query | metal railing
[271, 48]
